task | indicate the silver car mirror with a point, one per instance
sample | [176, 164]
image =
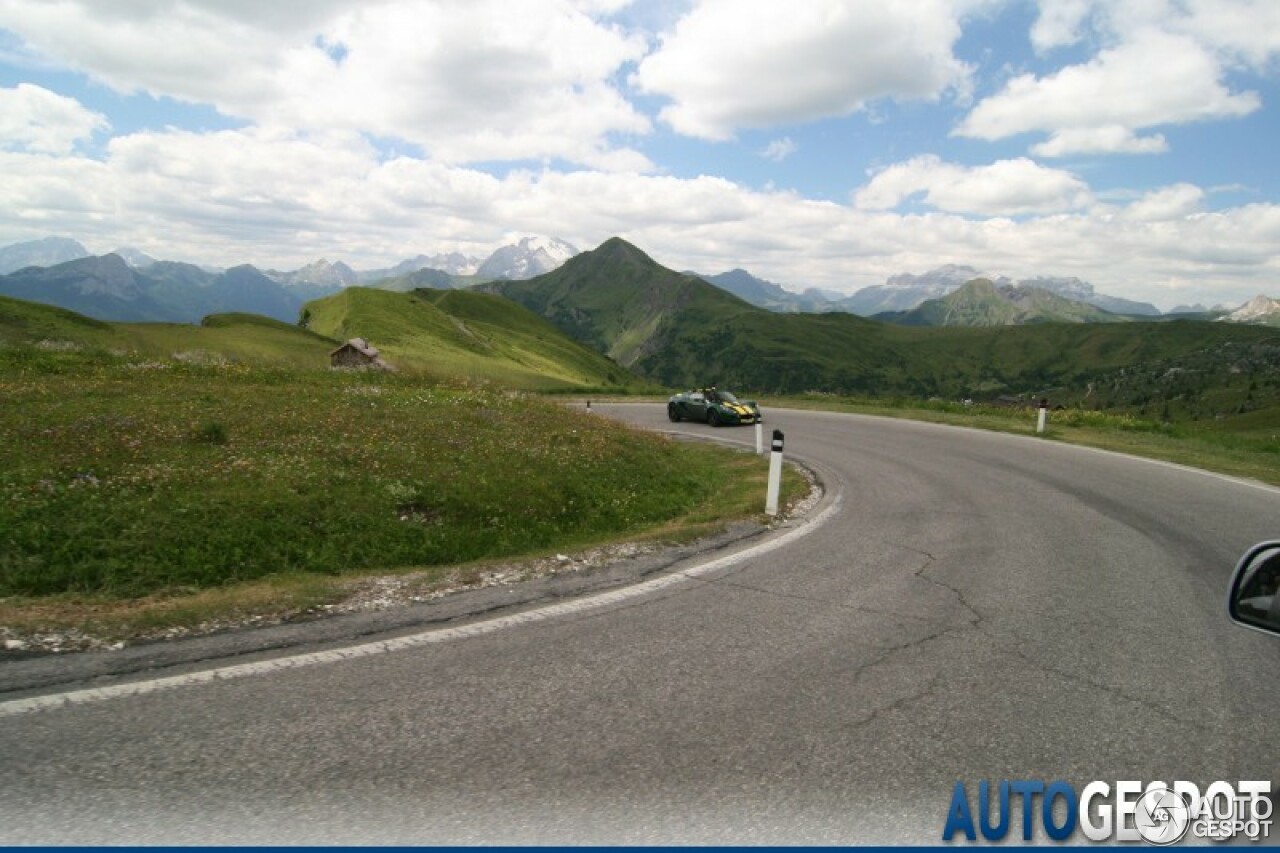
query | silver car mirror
[1254, 596]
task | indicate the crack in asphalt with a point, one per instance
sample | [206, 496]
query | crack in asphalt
[898, 704]
[1003, 646]
[884, 654]
[929, 561]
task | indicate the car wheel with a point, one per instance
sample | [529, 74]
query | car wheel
[713, 418]
[673, 412]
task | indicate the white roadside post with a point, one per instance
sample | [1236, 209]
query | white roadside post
[775, 474]
[588, 407]
[1044, 414]
[759, 438]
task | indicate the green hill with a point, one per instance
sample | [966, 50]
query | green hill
[982, 303]
[416, 280]
[680, 331]
[426, 278]
[27, 327]
[23, 323]
[1125, 364]
[619, 301]
[455, 333]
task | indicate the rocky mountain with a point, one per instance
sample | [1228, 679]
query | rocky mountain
[982, 302]
[1260, 310]
[766, 294]
[906, 291]
[1200, 308]
[320, 273]
[40, 253]
[530, 257]
[453, 263]
[1082, 291]
[525, 259]
[135, 258]
[105, 288]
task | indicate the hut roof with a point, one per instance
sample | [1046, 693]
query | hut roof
[361, 346]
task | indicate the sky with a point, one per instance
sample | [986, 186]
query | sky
[815, 143]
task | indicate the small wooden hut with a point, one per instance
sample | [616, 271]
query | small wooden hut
[358, 352]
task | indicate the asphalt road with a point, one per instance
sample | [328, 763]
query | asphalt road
[974, 606]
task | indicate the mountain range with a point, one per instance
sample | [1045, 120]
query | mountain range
[107, 288]
[907, 291]
[982, 302]
[130, 286]
[636, 321]
[766, 294]
[527, 257]
[681, 330]
[175, 292]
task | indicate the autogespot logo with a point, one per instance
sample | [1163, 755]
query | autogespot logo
[1162, 816]
[1157, 813]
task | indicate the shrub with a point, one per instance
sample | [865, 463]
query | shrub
[211, 432]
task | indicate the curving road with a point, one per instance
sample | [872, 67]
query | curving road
[973, 606]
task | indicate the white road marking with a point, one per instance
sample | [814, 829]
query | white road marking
[425, 638]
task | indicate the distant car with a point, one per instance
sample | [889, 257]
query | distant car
[713, 406]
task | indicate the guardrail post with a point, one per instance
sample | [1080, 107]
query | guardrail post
[775, 474]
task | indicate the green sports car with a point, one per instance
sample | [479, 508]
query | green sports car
[714, 407]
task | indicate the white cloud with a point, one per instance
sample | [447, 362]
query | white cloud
[281, 200]
[732, 64]
[466, 81]
[537, 82]
[33, 118]
[1245, 31]
[1004, 188]
[1059, 23]
[779, 149]
[1114, 139]
[1167, 203]
[1239, 32]
[1155, 79]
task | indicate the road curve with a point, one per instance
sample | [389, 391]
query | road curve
[980, 606]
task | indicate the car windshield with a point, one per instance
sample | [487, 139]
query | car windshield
[725, 396]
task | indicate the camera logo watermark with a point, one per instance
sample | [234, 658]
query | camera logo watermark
[1162, 816]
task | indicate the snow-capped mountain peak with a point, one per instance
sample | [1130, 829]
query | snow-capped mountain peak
[551, 246]
[1255, 309]
[531, 256]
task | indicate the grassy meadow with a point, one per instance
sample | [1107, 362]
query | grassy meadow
[128, 479]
